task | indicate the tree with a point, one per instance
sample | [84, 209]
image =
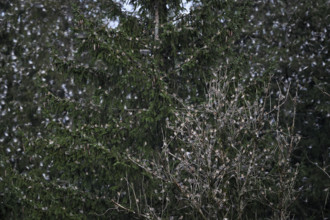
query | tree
[73, 144]
[106, 98]
[234, 161]
[28, 30]
[290, 36]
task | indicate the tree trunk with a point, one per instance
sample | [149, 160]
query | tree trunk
[156, 21]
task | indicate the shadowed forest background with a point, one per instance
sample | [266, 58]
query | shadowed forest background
[154, 109]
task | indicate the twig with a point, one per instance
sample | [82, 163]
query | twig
[323, 169]
[129, 210]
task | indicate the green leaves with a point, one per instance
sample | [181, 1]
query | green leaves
[76, 94]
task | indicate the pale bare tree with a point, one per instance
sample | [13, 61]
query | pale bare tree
[224, 156]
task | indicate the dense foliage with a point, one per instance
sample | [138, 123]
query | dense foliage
[163, 111]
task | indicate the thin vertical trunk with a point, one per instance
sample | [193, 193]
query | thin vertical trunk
[157, 21]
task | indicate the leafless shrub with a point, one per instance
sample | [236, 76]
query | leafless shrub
[224, 156]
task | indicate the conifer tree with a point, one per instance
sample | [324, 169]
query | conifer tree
[89, 106]
[28, 30]
[108, 97]
[112, 95]
[291, 38]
